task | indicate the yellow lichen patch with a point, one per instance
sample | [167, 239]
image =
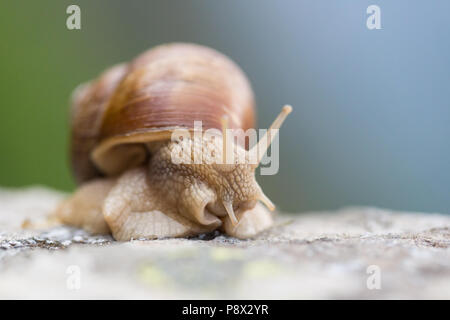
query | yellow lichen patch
[261, 269]
[186, 253]
[153, 275]
[225, 254]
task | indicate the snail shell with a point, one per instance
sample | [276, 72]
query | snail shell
[121, 148]
[166, 88]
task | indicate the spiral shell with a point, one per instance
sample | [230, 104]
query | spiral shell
[166, 88]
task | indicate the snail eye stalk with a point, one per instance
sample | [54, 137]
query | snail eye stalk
[261, 147]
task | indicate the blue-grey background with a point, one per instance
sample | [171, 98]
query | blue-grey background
[371, 120]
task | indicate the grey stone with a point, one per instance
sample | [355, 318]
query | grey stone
[318, 255]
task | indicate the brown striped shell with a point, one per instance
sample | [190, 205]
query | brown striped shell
[163, 89]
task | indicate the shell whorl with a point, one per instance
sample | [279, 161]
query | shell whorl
[89, 101]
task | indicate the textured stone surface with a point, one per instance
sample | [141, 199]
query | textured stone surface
[313, 255]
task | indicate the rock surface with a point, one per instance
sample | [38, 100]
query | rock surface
[318, 255]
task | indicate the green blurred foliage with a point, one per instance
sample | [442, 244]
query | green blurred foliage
[37, 76]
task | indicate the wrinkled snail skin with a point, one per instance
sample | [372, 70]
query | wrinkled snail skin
[122, 149]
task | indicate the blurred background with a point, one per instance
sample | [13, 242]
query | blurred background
[371, 120]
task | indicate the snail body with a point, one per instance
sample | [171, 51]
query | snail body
[122, 149]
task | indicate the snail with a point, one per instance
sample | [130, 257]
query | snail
[122, 129]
